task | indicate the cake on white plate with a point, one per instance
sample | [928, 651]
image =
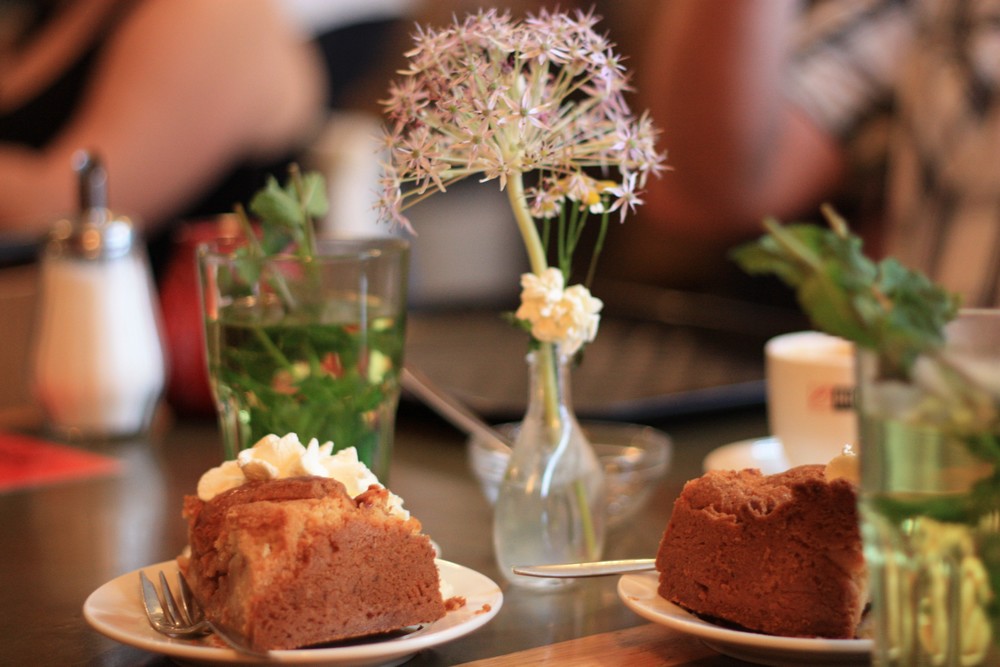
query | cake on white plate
[293, 546]
[779, 554]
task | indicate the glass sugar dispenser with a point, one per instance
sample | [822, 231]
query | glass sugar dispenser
[98, 369]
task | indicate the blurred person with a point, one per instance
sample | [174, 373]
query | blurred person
[191, 104]
[888, 108]
[175, 95]
[357, 41]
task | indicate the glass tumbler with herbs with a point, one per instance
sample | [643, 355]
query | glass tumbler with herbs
[929, 424]
[304, 335]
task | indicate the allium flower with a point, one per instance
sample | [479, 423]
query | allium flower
[498, 98]
[501, 98]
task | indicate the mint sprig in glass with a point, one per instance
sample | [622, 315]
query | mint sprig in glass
[929, 420]
[304, 335]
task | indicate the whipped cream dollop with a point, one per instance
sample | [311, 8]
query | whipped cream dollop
[274, 457]
[844, 466]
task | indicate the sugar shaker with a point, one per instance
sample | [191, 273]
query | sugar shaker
[99, 366]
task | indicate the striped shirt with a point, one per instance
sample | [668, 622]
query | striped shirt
[932, 67]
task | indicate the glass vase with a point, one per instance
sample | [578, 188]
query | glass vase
[930, 500]
[550, 505]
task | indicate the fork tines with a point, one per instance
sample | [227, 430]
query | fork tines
[166, 615]
[182, 617]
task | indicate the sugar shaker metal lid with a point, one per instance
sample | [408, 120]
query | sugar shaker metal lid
[96, 233]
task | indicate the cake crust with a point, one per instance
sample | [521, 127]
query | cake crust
[296, 562]
[778, 554]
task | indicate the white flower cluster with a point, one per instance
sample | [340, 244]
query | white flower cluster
[568, 316]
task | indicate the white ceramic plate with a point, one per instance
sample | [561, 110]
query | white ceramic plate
[115, 609]
[638, 592]
[763, 453]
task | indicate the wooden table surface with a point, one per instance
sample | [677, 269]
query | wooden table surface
[61, 541]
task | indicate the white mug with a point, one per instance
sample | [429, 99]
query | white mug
[810, 395]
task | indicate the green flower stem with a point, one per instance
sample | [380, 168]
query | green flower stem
[588, 521]
[546, 351]
[598, 246]
[525, 223]
[547, 358]
[538, 262]
[553, 428]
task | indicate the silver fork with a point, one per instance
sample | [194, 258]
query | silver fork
[182, 617]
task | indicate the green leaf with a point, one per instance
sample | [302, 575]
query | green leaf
[286, 212]
[277, 205]
[314, 201]
[885, 307]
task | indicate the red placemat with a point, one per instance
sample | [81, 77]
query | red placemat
[27, 461]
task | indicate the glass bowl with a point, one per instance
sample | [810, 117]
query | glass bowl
[634, 456]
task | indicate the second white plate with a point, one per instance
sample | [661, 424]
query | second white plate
[638, 592]
[763, 453]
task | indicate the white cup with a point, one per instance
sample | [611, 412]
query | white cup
[810, 395]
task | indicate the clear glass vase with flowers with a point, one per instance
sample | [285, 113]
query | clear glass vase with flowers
[537, 105]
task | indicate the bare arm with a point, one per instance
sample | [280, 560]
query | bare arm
[712, 78]
[184, 90]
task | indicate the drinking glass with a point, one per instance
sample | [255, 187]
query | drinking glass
[308, 346]
[930, 499]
